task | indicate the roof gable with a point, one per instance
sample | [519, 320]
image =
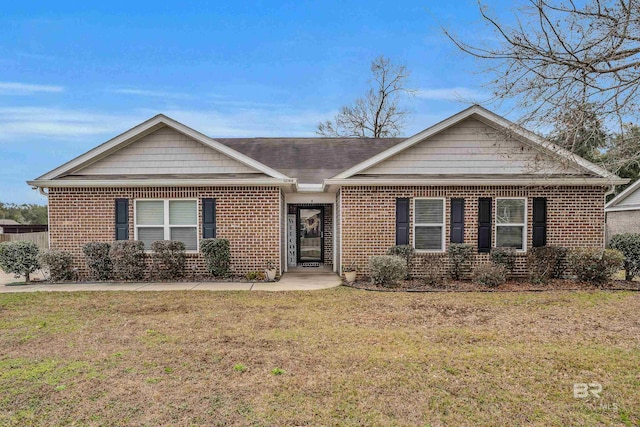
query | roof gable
[479, 142]
[160, 133]
[629, 199]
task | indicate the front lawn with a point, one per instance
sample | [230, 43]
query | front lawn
[335, 357]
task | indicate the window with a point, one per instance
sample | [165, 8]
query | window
[167, 220]
[428, 224]
[511, 223]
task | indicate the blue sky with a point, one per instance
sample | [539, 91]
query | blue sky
[73, 75]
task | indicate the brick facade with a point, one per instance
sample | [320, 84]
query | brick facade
[575, 217]
[247, 216]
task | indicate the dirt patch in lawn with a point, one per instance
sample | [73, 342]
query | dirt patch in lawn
[333, 357]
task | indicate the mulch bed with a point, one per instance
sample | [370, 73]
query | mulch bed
[510, 286]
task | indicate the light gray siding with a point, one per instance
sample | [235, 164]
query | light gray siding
[471, 147]
[619, 222]
[632, 199]
[166, 151]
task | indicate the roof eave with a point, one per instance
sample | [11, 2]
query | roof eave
[542, 181]
[102, 183]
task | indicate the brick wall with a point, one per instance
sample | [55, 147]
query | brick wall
[575, 217]
[247, 216]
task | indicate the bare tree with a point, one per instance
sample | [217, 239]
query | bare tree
[378, 113]
[562, 55]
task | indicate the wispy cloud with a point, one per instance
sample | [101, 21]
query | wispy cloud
[25, 123]
[19, 123]
[151, 93]
[14, 88]
[459, 93]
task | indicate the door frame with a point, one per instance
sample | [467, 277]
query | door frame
[321, 209]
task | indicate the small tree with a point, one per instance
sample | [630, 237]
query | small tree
[629, 245]
[406, 252]
[217, 255]
[19, 258]
[460, 255]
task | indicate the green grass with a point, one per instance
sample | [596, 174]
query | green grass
[335, 357]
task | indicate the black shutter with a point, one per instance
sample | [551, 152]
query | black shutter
[402, 221]
[539, 221]
[484, 224]
[457, 220]
[208, 218]
[122, 219]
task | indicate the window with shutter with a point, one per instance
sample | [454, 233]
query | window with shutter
[428, 224]
[511, 222]
[167, 220]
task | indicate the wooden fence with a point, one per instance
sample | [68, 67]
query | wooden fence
[41, 239]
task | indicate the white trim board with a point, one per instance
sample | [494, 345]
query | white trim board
[613, 203]
[144, 129]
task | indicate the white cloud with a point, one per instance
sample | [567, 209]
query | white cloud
[12, 88]
[25, 123]
[19, 123]
[451, 94]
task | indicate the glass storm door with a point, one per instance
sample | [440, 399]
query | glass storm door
[310, 234]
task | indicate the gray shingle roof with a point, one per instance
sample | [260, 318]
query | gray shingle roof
[310, 160]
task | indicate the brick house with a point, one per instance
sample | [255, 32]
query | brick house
[305, 202]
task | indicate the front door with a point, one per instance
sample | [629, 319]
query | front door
[310, 234]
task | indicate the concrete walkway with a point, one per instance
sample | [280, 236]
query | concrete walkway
[295, 281]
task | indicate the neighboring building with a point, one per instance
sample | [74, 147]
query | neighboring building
[474, 178]
[623, 212]
[7, 222]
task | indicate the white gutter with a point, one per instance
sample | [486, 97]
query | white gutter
[623, 208]
[59, 183]
[476, 182]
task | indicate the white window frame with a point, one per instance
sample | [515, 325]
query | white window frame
[166, 226]
[430, 224]
[512, 224]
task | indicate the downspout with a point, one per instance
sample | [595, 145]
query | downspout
[611, 190]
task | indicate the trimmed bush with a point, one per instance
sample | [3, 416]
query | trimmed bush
[59, 263]
[217, 255]
[629, 245]
[504, 256]
[127, 257]
[432, 270]
[96, 255]
[407, 252]
[594, 265]
[387, 270]
[19, 258]
[169, 259]
[545, 263]
[490, 274]
[460, 256]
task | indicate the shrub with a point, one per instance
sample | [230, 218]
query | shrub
[460, 255]
[19, 258]
[432, 270]
[127, 257]
[593, 264]
[407, 252]
[545, 263]
[217, 255]
[59, 263]
[255, 275]
[504, 256]
[168, 259]
[96, 255]
[629, 245]
[490, 274]
[387, 270]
